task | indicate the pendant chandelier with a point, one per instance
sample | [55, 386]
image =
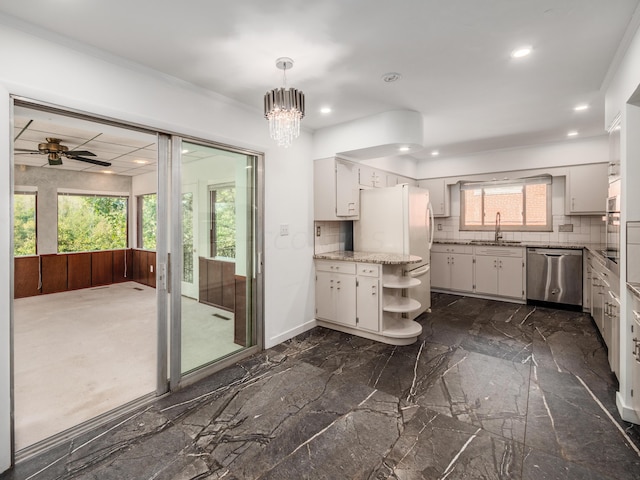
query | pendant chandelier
[284, 108]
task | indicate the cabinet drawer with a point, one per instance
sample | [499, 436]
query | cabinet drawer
[368, 269]
[336, 267]
[451, 248]
[500, 251]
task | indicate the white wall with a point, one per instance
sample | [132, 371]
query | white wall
[113, 88]
[624, 83]
[571, 152]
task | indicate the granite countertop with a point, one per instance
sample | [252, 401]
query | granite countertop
[366, 257]
[524, 243]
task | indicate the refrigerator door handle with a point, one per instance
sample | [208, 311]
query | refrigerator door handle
[431, 229]
[419, 271]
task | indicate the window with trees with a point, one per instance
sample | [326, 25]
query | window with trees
[91, 222]
[222, 233]
[147, 221]
[523, 204]
[24, 223]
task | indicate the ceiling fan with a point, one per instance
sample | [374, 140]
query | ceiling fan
[55, 151]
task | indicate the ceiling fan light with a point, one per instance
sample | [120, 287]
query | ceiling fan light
[54, 159]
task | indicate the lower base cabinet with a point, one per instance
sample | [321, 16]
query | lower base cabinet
[500, 275]
[335, 297]
[482, 270]
[452, 267]
[369, 300]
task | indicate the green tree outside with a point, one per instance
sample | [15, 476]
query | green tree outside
[225, 211]
[24, 224]
[88, 223]
[149, 221]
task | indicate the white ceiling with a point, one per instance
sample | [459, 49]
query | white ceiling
[130, 152]
[453, 56]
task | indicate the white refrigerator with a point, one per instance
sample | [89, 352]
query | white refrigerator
[399, 220]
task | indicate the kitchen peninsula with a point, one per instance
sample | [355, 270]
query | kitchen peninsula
[367, 294]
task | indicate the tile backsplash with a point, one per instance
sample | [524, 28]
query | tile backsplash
[579, 229]
[586, 229]
[333, 236]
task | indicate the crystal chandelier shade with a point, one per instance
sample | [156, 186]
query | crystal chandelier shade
[284, 108]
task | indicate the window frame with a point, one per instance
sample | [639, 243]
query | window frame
[522, 182]
[33, 191]
[140, 201]
[70, 193]
[212, 192]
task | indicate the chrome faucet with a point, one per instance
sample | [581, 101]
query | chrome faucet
[498, 232]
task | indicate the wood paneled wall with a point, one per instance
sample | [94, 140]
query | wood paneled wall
[72, 271]
[217, 283]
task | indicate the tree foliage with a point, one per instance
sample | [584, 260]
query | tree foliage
[149, 221]
[226, 222]
[24, 224]
[87, 223]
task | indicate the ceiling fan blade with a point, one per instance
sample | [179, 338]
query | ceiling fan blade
[85, 153]
[26, 150]
[88, 160]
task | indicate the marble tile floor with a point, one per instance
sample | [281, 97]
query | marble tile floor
[491, 390]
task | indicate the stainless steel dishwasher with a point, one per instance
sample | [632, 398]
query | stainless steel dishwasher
[554, 275]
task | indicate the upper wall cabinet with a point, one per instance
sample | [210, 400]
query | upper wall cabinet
[438, 196]
[586, 189]
[370, 177]
[335, 190]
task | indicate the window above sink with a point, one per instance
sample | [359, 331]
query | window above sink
[521, 204]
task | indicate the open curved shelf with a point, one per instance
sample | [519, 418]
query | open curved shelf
[400, 304]
[401, 328]
[400, 282]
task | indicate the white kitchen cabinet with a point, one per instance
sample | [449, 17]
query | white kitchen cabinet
[368, 303]
[335, 190]
[500, 271]
[336, 297]
[452, 267]
[633, 361]
[393, 180]
[438, 195]
[368, 297]
[613, 317]
[370, 177]
[586, 189]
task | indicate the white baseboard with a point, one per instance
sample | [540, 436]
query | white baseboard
[627, 413]
[273, 341]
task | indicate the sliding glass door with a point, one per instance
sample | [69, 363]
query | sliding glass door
[217, 242]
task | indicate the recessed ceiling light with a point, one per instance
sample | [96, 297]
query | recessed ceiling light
[521, 52]
[141, 162]
[107, 171]
[580, 108]
[404, 149]
[435, 153]
[572, 133]
[325, 110]
[391, 77]
[185, 150]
